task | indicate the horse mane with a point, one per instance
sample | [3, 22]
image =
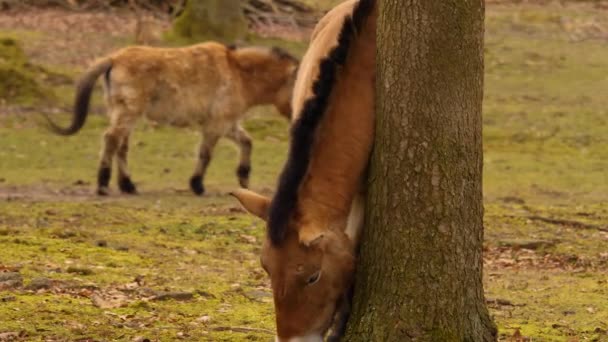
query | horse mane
[283, 54]
[304, 128]
[275, 50]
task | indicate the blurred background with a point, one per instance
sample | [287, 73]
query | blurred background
[167, 265]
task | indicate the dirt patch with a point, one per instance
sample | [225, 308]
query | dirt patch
[516, 259]
[43, 192]
[83, 192]
[71, 38]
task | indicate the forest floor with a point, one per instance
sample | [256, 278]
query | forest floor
[166, 265]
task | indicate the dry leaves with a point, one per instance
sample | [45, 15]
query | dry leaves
[110, 299]
[518, 337]
[526, 259]
[12, 336]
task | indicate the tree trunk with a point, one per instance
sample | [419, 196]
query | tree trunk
[420, 269]
[211, 19]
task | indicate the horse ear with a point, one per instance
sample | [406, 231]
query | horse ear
[253, 203]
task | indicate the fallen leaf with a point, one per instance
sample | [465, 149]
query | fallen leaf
[204, 319]
[112, 300]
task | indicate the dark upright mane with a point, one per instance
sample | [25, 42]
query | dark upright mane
[275, 50]
[304, 129]
[283, 54]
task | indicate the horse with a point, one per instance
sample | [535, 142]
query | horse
[315, 217]
[208, 85]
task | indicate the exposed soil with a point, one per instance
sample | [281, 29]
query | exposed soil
[74, 39]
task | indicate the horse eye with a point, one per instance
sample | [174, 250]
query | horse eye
[313, 278]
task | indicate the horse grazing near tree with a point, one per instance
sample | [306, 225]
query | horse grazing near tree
[208, 85]
[314, 218]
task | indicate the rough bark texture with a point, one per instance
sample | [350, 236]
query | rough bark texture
[419, 276]
[211, 19]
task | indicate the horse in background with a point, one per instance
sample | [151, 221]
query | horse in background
[209, 85]
[316, 214]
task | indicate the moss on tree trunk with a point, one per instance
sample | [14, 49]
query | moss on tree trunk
[18, 77]
[211, 19]
[420, 269]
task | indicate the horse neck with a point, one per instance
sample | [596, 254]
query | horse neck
[344, 138]
[259, 87]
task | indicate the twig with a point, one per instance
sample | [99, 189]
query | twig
[242, 329]
[503, 302]
[570, 223]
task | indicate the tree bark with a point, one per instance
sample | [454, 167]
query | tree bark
[211, 19]
[419, 276]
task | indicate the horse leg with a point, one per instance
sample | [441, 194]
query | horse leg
[124, 179]
[240, 137]
[121, 123]
[353, 229]
[341, 316]
[207, 145]
[110, 143]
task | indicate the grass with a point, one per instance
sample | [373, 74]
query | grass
[322, 4]
[543, 110]
[107, 261]
[160, 157]
[207, 255]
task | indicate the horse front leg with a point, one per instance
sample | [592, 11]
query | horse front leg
[354, 225]
[240, 137]
[341, 316]
[207, 145]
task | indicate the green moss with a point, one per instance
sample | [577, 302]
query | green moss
[551, 305]
[17, 81]
[210, 19]
[25, 83]
[164, 246]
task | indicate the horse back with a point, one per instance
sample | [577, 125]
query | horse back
[178, 86]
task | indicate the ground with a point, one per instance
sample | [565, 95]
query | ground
[167, 265]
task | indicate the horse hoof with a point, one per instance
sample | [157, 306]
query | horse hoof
[126, 186]
[196, 184]
[242, 173]
[103, 191]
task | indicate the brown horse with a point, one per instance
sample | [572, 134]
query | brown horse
[208, 85]
[317, 211]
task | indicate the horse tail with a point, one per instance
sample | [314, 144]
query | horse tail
[84, 88]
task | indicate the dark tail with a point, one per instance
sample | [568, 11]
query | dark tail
[83, 97]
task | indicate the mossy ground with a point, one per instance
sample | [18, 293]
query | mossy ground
[108, 259]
